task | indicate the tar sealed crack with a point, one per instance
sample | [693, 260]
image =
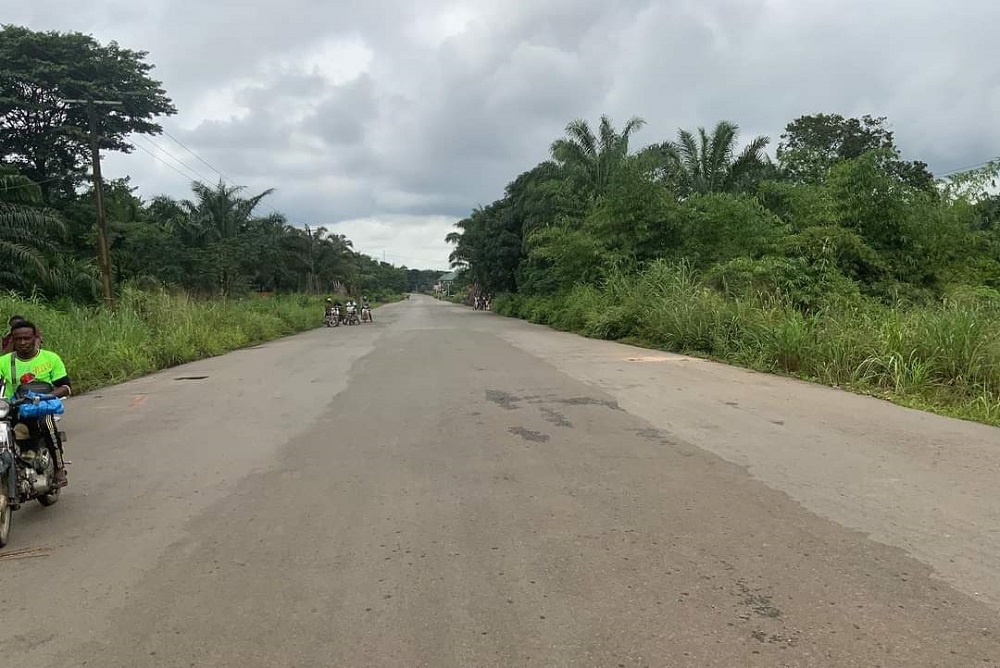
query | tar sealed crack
[590, 401]
[654, 435]
[528, 435]
[503, 399]
[555, 417]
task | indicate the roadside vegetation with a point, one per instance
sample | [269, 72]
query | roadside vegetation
[191, 276]
[839, 261]
[153, 329]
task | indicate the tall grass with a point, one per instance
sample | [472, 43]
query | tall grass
[944, 357]
[152, 330]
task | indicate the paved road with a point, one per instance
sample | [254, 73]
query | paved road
[447, 487]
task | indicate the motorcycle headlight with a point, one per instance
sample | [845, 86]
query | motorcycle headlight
[4, 409]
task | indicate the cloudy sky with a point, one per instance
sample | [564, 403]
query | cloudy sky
[388, 120]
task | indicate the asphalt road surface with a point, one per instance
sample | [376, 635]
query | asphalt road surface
[447, 487]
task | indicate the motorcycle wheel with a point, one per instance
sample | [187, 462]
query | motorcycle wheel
[5, 518]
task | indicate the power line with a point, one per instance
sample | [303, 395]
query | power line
[187, 177]
[175, 158]
[968, 167]
[209, 165]
[31, 183]
[205, 162]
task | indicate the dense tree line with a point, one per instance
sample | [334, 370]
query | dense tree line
[838, 214]
[220, 240]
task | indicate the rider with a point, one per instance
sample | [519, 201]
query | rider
[30, 363]
[8, 341]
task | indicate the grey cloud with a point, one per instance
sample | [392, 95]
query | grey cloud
[342, 118]
[428, 128]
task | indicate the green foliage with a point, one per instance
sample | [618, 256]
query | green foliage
[717, 227]
[568, 255]
[155, 329]
[708, 163]
[846, 265]
[811, 145]
[808, 286]
[589, 159]
[27, 233]
[45, 135]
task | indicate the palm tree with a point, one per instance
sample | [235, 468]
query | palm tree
[220, 212]
[324, 257]
[217, 221]
[594, 157]
[708, 163]
[27, 232]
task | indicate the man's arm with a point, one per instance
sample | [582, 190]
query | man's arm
[63, 386]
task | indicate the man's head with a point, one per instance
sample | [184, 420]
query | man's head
[14, 319]
[23, 334]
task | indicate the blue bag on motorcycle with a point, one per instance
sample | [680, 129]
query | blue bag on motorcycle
[41, 409]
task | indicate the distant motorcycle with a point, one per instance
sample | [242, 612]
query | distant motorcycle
[366, 314]
[352, 315]
[333, 317]
[27, 467]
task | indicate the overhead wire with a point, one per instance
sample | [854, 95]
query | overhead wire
[970, 167]
[198, 176]
[187, 177]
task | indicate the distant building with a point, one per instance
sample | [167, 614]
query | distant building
[444, 282]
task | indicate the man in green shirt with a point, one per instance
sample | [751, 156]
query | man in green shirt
[27, 364]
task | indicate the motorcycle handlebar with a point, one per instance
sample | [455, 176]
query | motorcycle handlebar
[38, 397]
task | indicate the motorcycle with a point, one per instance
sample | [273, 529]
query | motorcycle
[366, 314]
[352, 315]
[27, 467]
[333, 318]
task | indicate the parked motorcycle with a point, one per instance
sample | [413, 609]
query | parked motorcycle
[352, 315]
[333, 318]
[366, 314]
[27, 467]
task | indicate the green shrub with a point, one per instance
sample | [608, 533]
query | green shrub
[156, 329]
[944, 356]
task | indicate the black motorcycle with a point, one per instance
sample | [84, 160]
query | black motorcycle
[27, 466]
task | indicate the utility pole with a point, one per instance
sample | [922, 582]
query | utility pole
[103, 251]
